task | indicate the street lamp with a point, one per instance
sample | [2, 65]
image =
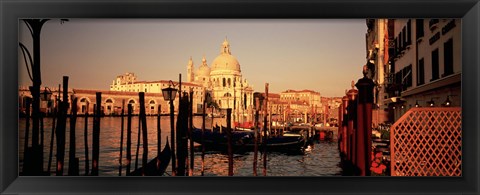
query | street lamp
[417, 105]
[46, 95]
[448, 102]
[431, 103]
[169, 94]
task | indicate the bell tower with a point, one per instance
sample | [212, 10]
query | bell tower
[190, 74]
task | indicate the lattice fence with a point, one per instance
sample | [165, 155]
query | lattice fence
[427, 142]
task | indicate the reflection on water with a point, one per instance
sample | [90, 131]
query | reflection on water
[322, 160]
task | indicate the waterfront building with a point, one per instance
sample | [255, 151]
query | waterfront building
[378, 41]
[309, 96]
[424, 63]
[222, 80]
[329, 110]
[111, 103]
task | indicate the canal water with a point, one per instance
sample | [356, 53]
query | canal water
[322, 160]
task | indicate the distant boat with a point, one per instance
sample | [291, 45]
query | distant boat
[243, 141]
[215, 115]
[151, 167]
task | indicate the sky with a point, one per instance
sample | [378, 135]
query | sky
[323, 55]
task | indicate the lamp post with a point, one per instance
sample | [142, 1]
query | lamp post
[35, 28]
[431, 103]
[46, 96]
[169, 94]
[447, 102]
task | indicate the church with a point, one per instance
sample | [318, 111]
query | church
[222, 80]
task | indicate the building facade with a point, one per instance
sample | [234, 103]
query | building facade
[222, 81]
[377, 45]
[424, 63]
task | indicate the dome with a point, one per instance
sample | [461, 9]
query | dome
[225, 61]
[203, 70]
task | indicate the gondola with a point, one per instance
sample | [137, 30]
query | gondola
[243, 141]
[217, 139]
[151, 168]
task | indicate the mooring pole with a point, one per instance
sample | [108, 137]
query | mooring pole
[26, 150]
[52, 136]
[203, 132]
[61, 128]
[229, 138]
[265, 126]
[364, 123]
[159, 136]
[352, 116]
[72, 160]
[255, 149]
[345, 127]
[190, 130]
[138, 140]
[96, 135]
[121, 140]
[143, 117]
[85, 136]
[129, 138]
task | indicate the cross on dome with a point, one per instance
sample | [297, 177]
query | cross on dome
[204, 61]
[225, 47]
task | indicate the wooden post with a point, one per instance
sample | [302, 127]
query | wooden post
[42, 133]
[138, 141]
[213, 118]
[159, 136]
[255, 149]
[129, 137]
[172, 137]
[229, 138]
[182, 143]
[190, 129]
[265, 136]
[339, 129]
[270, 122]
[52, 135]
[352, 116]
[96, 135]
[121, 139]
[284, 121]
[325, 115]
[26, 152]
[345, 126]
[61, 128]
[203, 132]
[143, 117]
[72, 160]
[364, 124]
[85, 135]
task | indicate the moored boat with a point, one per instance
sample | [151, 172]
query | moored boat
[243, 141]
[154, 167]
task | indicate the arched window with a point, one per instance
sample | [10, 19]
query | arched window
[131, 102]
[229, 82]
[109, 101]
[224, 83]
[152, 102]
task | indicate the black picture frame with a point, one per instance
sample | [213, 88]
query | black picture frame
[11, 11]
